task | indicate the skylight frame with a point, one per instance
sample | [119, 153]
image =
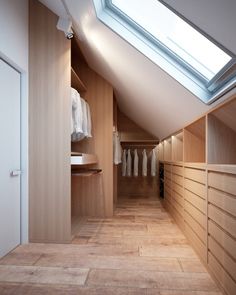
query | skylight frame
[206, 90]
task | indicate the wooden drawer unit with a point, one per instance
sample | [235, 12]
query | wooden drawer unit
[195, 174]
[167, 167]
[178, 189]
[179, 170]
[167, 175]
[177, 179]
[196, 227]
[195, 187]
[196, 201]
[195, 213]
[222, 181]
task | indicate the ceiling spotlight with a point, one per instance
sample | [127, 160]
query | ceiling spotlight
[65, 25]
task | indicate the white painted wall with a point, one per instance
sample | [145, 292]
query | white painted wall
[14, 46]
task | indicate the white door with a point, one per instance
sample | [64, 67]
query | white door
[9, 158]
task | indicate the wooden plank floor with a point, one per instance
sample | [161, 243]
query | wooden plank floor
[138, 251]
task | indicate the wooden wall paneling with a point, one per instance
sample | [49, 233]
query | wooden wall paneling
[99, 95]
[115, 167]
[49, 128]
[167, 150]
[177, 147]
[221, 142]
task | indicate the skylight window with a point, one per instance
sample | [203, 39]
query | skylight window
[177, 35]
[193, 59]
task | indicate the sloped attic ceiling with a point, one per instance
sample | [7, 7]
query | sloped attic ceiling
[145, 93]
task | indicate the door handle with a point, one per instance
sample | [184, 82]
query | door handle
[15, 173]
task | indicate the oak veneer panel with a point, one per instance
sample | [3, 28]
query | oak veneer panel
[167, 167]
[196, 201]
[224, 220]
[49, 128]
[168, 188]
[177, 206]
[178, 198]
[227, 242]
[196, 242]
[115, 167]
[195, 174]
[195, 213]
[167, 150]
[178, 189]
[222, 181]
[225, 260]
[195, 187]
[221, 142]
[161, 151]
[222, 276]
[177, 179]
[177, 147]
[199, 231]
[99, 95]
[222, 200]
[167, 174]
[179, 170]
[88, 197]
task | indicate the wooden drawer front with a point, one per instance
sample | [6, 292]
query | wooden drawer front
[167, 167]
[178, 189]
[196, 201]
[228, 243]
[225, 280]
[168, 189]
[167, 183]
[178, 218]
[199, 231]
[167, 195]
[178, 198]
[195, 213]
[195, 174]
[223, 182]
[178, 207]
[195, 241]
[225, 260]
[225, 221]
[195, 187]
[167, 175]
[177, 179]
[179, 170]
[222, 200]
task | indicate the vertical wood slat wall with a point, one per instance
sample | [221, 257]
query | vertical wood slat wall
[49, 129]
[200, 189]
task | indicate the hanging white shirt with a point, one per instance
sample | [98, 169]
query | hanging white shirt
[129, 164]
[116, 148]
[144, 166]
[153, 163]
[89, 121]
[124, 163]
[135, 162]
[85, 117]
[77, 115]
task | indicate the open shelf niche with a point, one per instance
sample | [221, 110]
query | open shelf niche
[161, 151]
[167, 149]
[195, 141]
[177, 147]
[221, 139]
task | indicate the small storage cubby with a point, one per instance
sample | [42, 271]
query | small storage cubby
[221, 141]
[167, 149]
[177, 147]
[195, 141]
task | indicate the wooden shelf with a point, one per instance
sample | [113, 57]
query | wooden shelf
[76, 82]
[177, 147]
[195, 141]
[83, 159]
[221, 141]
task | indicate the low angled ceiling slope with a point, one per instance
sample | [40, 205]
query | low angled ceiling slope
[145, 93]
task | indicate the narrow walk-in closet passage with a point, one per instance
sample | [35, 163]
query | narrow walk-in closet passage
[140, 250]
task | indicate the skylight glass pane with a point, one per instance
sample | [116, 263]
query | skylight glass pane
[173, 32]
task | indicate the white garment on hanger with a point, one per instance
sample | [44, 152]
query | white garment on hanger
[116, 148]
[85, 117]
[153, 163]
[135, 162]
[89, 121]
[124, 163]
[129, 163]
[144, 166]
[77, 115]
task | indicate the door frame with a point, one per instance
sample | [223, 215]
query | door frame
[24, 144]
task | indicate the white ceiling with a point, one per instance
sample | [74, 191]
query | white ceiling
[145, 93]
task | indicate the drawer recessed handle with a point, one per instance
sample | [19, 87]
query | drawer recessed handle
[15, 173]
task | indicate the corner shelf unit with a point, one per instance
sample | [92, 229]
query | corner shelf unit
[210, 139]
